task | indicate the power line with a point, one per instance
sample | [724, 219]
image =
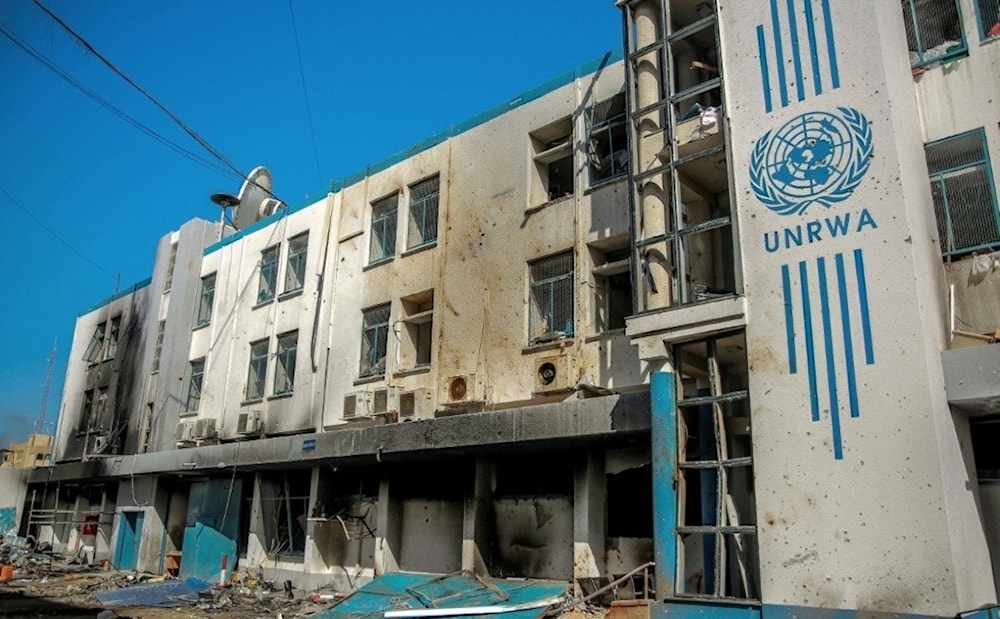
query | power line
[60, 72]
[305, 92]
[180, 123]
[53, 233]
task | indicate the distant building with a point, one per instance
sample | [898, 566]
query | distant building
[704, 304]
[36, 451]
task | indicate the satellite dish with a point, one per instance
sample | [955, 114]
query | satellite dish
[254, 201]
[225, 200]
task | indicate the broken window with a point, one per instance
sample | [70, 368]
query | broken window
[96, 346]
[383, 241]
[295, 265]
[965, 203]
[158, 346]
[683, 231]
[423, 213]
[716, 526]
[114, 330]
[418, 327]
[206, 300]
[284, 499]
[193, 400]
[551, 302]
[268, 280]
[607, 147]
[171, 263]
[374, 339]
[284, 367]
[257, 370]
[552, 149]
[87, 410]
[933, 30]
[612, 288]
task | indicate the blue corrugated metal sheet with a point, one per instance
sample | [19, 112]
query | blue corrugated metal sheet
[169, 593]
[400, 591]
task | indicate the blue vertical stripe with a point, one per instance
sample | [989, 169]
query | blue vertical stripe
[779, 54]
[810, 347]
[765, 77]
[793, 27]
[831, 370]
[663, 437]
[831, 45]
[845, 323]
[786, 288]
[866, 326]
[813, 48]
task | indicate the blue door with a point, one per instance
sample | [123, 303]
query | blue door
[212, 527]
[129, 536]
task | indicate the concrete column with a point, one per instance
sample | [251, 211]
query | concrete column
[477, 525]
[590, 492]
[389, 532]
[651, 135]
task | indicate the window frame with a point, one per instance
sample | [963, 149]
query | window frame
[535, 313]
[984, 34]
[941, 176]
[113, 337]
[257, 370]
[206, 300]
[196, 376]
[379, 341]
[161, 326]
[285, 358]
[295, 263]
[267, 280]
[607, 125]
[95, 349]
[911, 16]
[384, 216]
[431, 201]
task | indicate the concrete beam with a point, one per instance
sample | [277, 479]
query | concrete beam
[572, 422]
[972, 379]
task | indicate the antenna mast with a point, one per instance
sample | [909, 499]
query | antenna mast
[45, 391]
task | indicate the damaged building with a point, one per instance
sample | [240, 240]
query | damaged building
[725, 302]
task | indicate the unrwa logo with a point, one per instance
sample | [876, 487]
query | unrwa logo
[815, 158]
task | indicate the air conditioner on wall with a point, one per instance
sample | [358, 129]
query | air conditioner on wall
[356, 405]
[416, 404]
[385, 401]
[250, 422]
[185, 431]
[461, 389]
[554, 373]
[204, 429]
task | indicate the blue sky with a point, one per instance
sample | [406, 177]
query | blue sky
[93, 194]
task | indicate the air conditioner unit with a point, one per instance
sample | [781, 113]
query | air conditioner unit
[250, 423]
[415, 404]
[356, 405]
[554, 374]
[461, 389]
[385, 401]
[204, 429]
[185, 431]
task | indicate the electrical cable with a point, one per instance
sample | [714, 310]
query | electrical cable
[53, 233]
[180, 123]
[52, 66]
[305, 93]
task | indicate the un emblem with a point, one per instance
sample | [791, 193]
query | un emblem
[815, 158]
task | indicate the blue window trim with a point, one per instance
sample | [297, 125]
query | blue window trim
[990, 185]
[962, 50]
[984, 36]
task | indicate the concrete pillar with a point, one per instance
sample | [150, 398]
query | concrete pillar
[651, 134]
[477, 525]
[590, 492]
[864, 501]
[389, 532]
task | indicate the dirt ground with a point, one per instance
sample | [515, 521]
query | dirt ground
[71, 595]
